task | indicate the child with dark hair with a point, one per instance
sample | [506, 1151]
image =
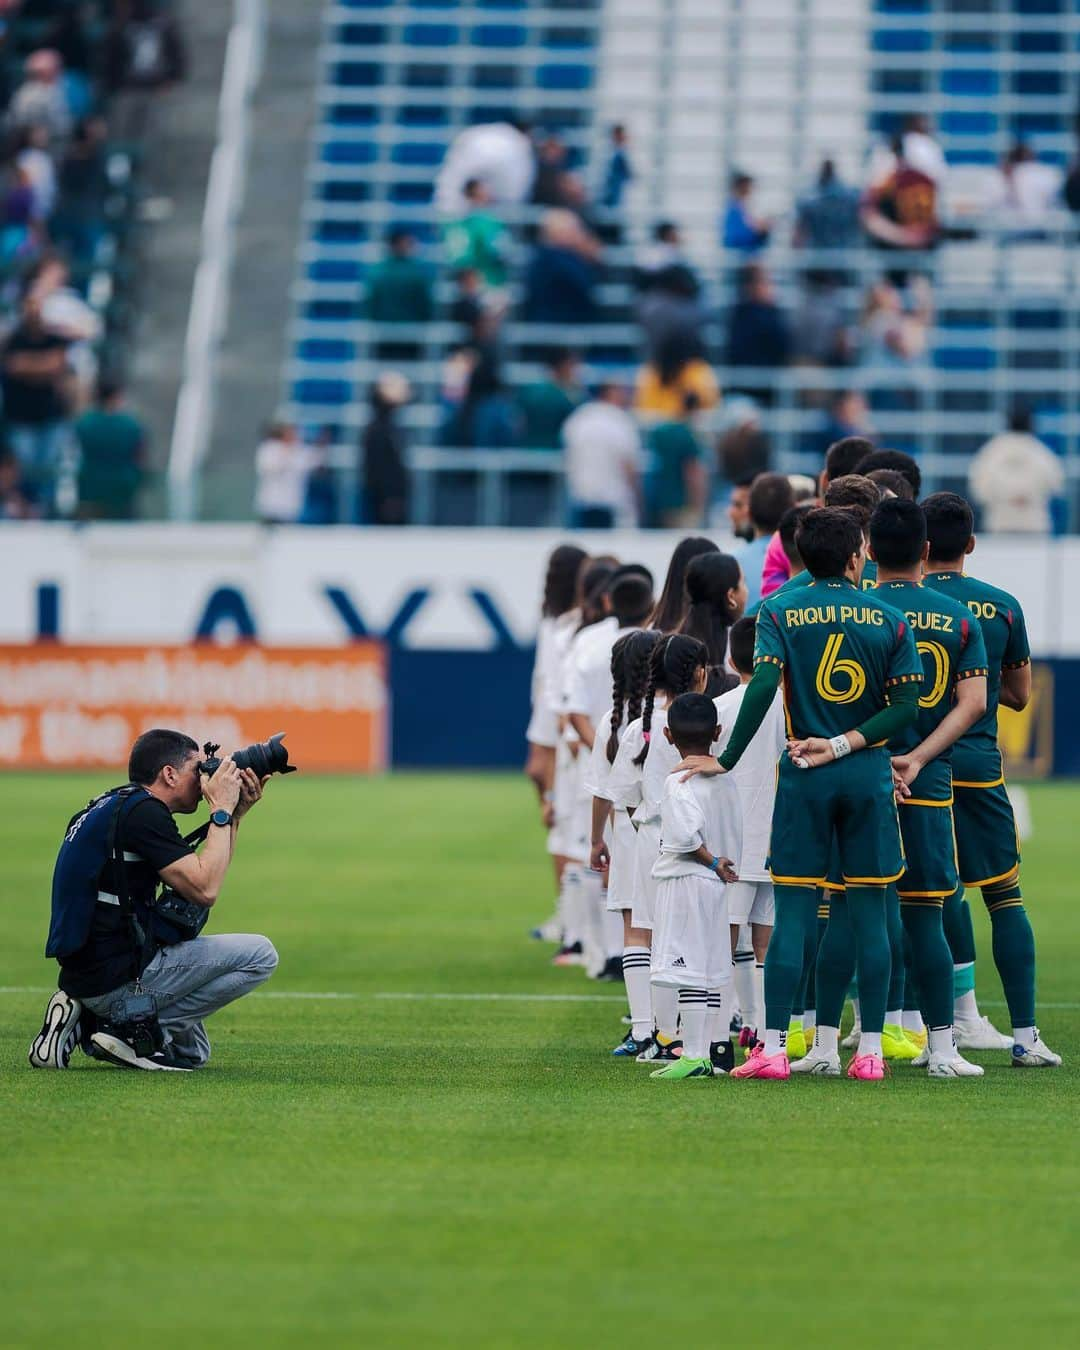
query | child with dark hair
[750, 899]
[678, 665]
[716, 596]
[670, 608]
[700, 841]
[613, 839]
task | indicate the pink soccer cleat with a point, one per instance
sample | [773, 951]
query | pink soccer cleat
[870, 1068]
[761, 1065]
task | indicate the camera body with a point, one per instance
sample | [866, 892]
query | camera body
[133, 1018]
[265, 757]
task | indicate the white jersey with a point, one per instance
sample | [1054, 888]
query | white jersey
[755, 777]
[701, 812]
[587, 687]
[597, 771]
[543, 726]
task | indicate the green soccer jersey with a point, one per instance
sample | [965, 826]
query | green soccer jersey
[976, 757]
[840, 650]
[951, 647]
[803, 578]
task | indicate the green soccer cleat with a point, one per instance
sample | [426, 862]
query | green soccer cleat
[685, 1068]
[895, 1044]
[796, 1041]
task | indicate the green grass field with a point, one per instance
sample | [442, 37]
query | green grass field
[397, 1166]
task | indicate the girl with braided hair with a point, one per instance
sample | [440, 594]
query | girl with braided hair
[716, 598]
[678, 665]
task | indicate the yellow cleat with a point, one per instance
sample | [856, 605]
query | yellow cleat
[796, 1041]
[917, 1038]
[895, 1044]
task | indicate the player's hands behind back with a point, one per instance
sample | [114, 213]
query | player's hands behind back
[810, 753]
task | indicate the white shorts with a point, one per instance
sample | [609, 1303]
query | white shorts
[623, 846]
[751, 902]
[691, 946]
[564, 837]
[646, 851]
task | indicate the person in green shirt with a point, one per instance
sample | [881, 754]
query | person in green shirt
[111, 443]
[678, 483]
[400, 287]
[478, 240]
[546, 404]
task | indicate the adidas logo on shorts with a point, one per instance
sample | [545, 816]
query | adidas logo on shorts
[678, 962]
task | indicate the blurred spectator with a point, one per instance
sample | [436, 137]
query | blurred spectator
[827, 218]
[32, 156]
[552, 163]
[678, 481]
[742, 230]
[467, 306]
[283, 464]
[670, 301]
[83, 186]
[112, 443]
[456, 373]
[619, 171]
[20, 233]
[547, 403]
[1013, 478]
[34, 367]
[489, 417]
[478, 240]
[400, 289]
[890, 333]
[770, 497]
[603, 462]
[738, 511]
[679, 369]
[848, 417]
[41, 99]
[758, 333]
[743, 448]
[916, 146]
[499, 153]
[14, 503]
[900, 207]
[321, 497]
[821, 328]
[1025, 192]
[66, 314]
[562, 272]
[144, 56]
[386, 480]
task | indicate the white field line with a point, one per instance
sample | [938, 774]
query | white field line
[466, 998]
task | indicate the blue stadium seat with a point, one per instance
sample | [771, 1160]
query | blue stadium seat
[322, 391]
[334, 269]
[349, 152]
[423, 153]
[563, 77]
[500, 35]
[325, 349]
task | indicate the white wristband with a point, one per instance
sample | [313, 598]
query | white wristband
[841, 746]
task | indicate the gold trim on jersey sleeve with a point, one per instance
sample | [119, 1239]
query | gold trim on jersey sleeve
[971, 674]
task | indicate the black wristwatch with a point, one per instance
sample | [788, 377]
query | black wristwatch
[220, 817]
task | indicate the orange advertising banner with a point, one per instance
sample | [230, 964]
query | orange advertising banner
[82, 706]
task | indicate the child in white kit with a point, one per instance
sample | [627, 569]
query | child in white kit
[750, 899]
[700, 837]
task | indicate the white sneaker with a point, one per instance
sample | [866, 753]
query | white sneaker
[819, 1062]
[59, 1035]
[1037, 1056]
[951, 1066]
[851, 1040]
[979, 1033]
[922, 1059]
[120, 1053]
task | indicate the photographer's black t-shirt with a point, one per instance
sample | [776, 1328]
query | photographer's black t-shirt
[110, 958]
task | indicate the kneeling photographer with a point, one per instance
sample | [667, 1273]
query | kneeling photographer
[136, 978]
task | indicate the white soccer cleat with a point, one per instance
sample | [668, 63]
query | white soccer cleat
[59, 1035]
[922, 1059]
[818, 1062]
[979, 1033]
[851, 1040]
[950, 1066]
[1037, 1056]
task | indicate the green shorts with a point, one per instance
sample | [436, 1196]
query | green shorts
[849, 802]
[930, 853]
[987, 845]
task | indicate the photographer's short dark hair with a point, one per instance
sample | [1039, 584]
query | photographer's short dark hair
[154, 749]
[898, 533]
[950, 523]
[692, 720]
[893, 459]
[770, 496]
[741, 644]
[826, 540]
[844, 456]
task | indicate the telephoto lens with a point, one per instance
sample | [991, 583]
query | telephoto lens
[265, 757]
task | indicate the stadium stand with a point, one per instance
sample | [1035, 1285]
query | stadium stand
[705, 87]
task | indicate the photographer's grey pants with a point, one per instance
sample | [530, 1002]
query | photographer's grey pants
[194, 979]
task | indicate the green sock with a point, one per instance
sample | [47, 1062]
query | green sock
[931, 961]
[835, 963]
[959, 933]
[796, 916]
[895, 996]
[804, 995]
[869, 923]
[1014, 950]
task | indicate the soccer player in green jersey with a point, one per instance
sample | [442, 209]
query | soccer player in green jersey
[851, 673]
[987, 845]
[952, 697]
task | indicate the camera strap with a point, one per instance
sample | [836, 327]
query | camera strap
[143, 941]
